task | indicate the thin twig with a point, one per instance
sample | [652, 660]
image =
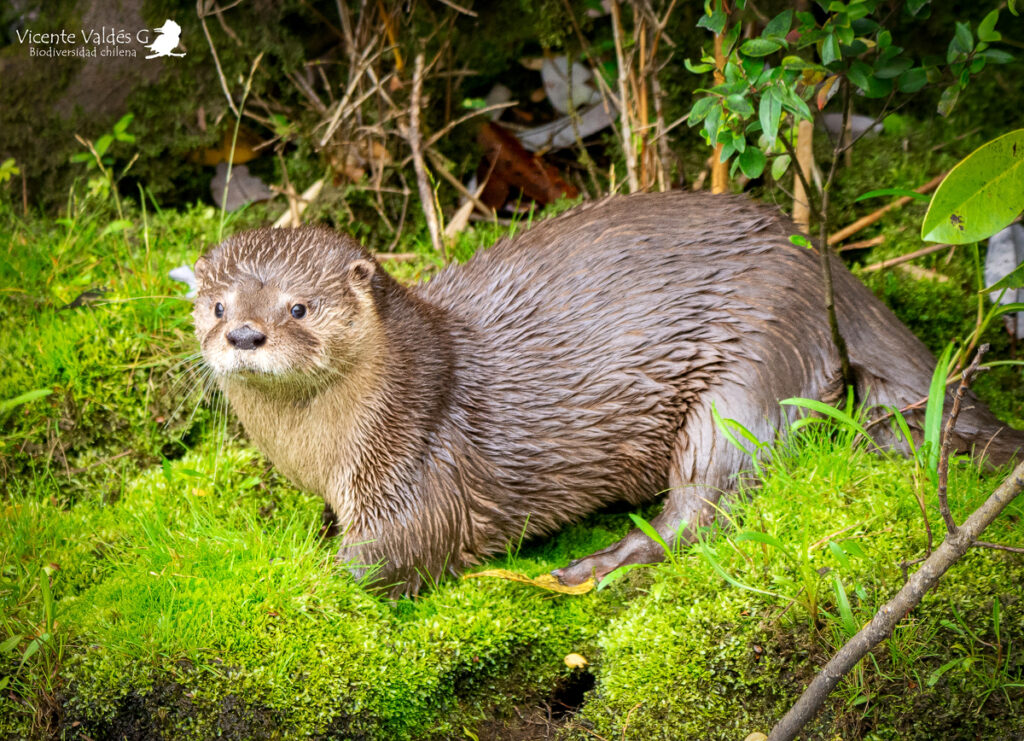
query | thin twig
[966, 378]
[201, 12]
[876, 215]
[413, 136]
[997, 546]
[437, 161]
[624, 109]
[433, 139]
[826, 253]
[903, 258]
[459, 8]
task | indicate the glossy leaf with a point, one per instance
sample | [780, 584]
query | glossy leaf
[752, 162]
[698, 69]
[891, 192]
[714, 22]
[987, 28]
[912, 80]
[759, 47]
[997, 56]
[739, 104]
[1014, 279]
[829, 49]
[769, 112]
[948, 100]
[779, 25]
[779, 165]
[981, 195]
[931, 445]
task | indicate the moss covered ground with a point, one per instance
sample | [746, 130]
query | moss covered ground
[159, 580]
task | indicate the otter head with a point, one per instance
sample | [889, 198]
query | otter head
[286, 308]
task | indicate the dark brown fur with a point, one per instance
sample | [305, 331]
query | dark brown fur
[572, 366]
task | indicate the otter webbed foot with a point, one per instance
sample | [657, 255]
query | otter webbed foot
[635, 548]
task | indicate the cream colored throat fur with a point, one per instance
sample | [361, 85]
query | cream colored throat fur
[317, 440]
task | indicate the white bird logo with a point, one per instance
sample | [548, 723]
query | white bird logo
[163, 45]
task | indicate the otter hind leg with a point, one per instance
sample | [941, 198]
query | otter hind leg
[704, 465]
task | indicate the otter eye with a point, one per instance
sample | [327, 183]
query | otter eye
[218, 310]
[299, 311]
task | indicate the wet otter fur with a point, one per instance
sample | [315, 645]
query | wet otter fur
[571, 366]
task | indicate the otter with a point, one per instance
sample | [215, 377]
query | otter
[574, 365]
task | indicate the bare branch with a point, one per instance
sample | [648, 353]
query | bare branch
[413, 136]
[947, 437]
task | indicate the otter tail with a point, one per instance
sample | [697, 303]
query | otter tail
[891, 367]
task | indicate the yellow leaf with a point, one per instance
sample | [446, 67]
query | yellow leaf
[544, 581]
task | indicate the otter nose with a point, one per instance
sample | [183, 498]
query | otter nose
[246, 338]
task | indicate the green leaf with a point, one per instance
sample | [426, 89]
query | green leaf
[709, 555]
[948, 100]
[31, 649]
[997, 56]
[779, 25]
[712, 121]
[9, 404]
[891, 192]
[829, 49]
[44, 589]
[103, 144]
[912, 80]
[740, 105]
[714, 22]
[849, 624]
[853, 548]
[801, 241]
[648, 529]
[937, 674]
[116, 226]
[933, 414]
[829, 411]
[700, 109]
[987, 27]
[779, 165]
[759, 47]
[839, 555]
[769, 111]
[1014, 280]
[11, 643]
[698, 69]
[613, 576]
[981, 195]
[759, 537]
[752, 162]
[963, 36]
[901, 423]
[914, 6]
[893, 68]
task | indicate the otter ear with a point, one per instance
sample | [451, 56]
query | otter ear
[360, 275]
[202, 270]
